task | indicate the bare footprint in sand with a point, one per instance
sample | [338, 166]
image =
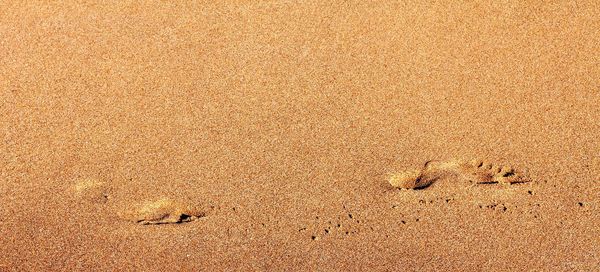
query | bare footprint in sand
[485, 172]
[92, 190]
[476, 171]
[163, 211]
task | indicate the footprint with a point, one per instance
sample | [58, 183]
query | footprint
[91, 190]
[162, 211]
[421, 178]
[485, 172]
[410, 179]
[477, 171]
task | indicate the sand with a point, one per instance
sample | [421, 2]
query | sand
[261, 135]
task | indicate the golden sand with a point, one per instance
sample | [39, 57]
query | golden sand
[120, 120]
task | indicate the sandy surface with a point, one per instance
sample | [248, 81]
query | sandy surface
[271, 129]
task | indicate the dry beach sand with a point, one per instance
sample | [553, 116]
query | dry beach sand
[264, 135]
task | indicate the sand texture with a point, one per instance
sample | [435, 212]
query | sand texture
[300, 136]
